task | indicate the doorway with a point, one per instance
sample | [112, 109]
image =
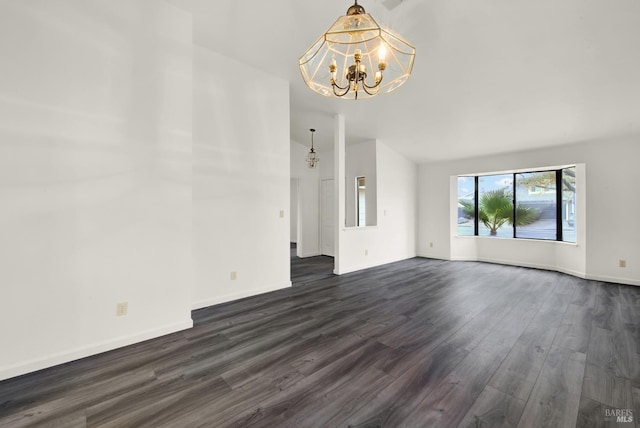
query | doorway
[318, 267]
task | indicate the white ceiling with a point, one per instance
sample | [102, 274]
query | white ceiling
[489, 76]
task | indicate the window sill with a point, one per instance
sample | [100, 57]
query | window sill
[502, 238]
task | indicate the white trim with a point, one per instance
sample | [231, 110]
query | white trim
[516, 263]
[516, 171]
[305, 255]
[235, 296]
[439, 257]
[578, 274]
[614, 279]
[89, 350]
[352, 228]
[571, 272]
[371, 265]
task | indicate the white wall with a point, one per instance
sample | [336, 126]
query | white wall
[606, 217]
[327, 164]
[394, 236]
[308, 194]
[95, 171]
[241, 180]
[360, 161]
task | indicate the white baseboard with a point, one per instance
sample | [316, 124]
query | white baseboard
[371, 265]
[305, 255]
[572, 272]
[578, 274]
[616, 280]
[436, 256]
[92, 349]
[518, 263]
[523, 264]
[235, 296]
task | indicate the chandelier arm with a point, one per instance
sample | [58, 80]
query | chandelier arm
[364, 84]
[335, 85]
[366, 89]
[344, 89]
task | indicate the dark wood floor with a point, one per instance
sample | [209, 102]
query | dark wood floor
[418, 343]
[309, 269]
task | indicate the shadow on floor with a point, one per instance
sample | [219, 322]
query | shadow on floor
[309, 269]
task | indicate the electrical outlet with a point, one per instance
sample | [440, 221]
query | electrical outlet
[622, 263]
[121, 309]
[281, 213]
[234, 275]
[431, 244]
[366, 252]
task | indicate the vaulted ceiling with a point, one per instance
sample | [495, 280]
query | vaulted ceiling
[490, 76]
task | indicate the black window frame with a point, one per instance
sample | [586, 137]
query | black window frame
[559, 193]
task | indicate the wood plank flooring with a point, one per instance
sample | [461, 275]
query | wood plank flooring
[309, 269]
[418, 343]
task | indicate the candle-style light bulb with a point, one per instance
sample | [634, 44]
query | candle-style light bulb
[382, 54]
[332, 69]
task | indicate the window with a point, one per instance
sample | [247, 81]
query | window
[495, 205]
[466, 206]
[361, 202]
[532, 205]
[568, 208]
[536, 213]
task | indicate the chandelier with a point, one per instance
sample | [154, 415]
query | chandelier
[312, 158]
[341, 61]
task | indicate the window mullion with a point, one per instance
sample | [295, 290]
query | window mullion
[559, 236]
[476, 209]
[513, 189]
